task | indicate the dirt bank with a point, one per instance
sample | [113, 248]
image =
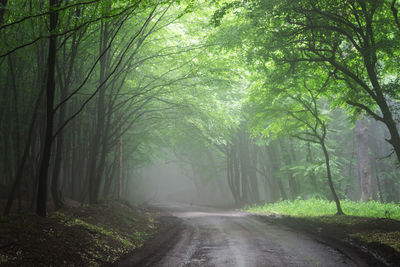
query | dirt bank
[375, 240]
[95, 235]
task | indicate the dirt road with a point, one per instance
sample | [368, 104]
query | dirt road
[211, 237]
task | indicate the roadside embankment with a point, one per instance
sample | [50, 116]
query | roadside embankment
[96, 235]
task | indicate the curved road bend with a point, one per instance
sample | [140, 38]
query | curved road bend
[214, 237]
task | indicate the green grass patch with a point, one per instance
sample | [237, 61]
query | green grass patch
[321, 207]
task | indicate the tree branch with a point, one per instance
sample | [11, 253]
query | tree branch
[367, 109]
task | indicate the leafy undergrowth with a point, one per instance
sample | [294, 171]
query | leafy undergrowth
[320, 207]
[94, 235]
[371, 223]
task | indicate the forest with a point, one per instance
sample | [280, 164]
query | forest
[255, 102]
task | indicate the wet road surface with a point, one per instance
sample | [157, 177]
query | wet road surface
[212, 237]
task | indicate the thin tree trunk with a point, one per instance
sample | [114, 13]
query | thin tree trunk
[108, 181]
[18, 177]
[94, 174]
[55, 191]
[328, 171]
[232, 173]
[64, 86]
[120, 169]
[41, 208]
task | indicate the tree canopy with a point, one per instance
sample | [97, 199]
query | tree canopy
[265, 94]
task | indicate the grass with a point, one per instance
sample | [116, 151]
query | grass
[321, 207]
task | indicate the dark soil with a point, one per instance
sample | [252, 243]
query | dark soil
[95, 235]
[369, 238]
[156, 247]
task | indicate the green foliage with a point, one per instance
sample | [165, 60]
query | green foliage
[320, 207]
[194, 73]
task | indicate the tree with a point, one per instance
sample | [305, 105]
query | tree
[356, 41]
[50, 92]
[72, 63]
[290, 107]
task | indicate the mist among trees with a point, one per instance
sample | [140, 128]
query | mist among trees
[252, 101]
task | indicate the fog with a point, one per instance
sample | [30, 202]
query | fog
[167, 181]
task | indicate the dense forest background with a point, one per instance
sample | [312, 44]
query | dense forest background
[257, 100]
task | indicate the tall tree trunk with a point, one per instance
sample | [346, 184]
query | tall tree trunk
[16, 123]
[64, 87]
[74, 158]
[363, 162]
[16, 131]
[120, 169]
[233, 174]
[55, 191]
[41, 207]
[94, 174]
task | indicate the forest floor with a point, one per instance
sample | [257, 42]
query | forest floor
[374, 237]
[95, 235]
[100, 235]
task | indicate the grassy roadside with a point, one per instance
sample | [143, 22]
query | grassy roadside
[372, 223]
[321, 207]
[76, 236]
